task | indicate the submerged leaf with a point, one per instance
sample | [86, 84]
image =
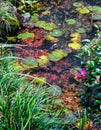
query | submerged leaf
[57, 55]
[29, 62]
[55, 90]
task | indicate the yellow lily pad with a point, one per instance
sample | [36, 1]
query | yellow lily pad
[75, 46]
[51, 38]
[83, 10]
[43, 60]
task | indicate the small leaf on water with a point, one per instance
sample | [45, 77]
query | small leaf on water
[77, 4]
[43, 60]
[71, 21]
[29, 62]
[57, 55]
[83, 10]
[25, 35]
[75, 46]
[56, 33]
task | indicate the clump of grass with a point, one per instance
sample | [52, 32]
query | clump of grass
[24, 106]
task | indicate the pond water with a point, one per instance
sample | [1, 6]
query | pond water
[58, 73]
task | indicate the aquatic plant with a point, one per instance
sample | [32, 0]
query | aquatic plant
[25, 35]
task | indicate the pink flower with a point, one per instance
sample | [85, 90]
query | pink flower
[81, 74]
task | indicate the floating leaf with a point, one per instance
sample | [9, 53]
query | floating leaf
[80, 30]
[13, 39]
[56, 33]
[71, 21]
[43, 60]
[55, 90]
[96, 16]
[47, 12]
[45, 25]
[29, 62]
[25, 35]
[57, 55]
[40, 80]
[75, 34]
[94, 8]
[17, 67]
[34, 18]
[77, 4]
[51, 38]
[83, 10]
[75, 46]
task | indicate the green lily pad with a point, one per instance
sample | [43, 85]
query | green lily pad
[56, 33]
[80, 30]
[57, 55]
[94, 8]
[71, 21]
[83, 10]
[30, 62]
[25, 35]
[45, 25]
[34, 18]
[77, 4]
[96, 16]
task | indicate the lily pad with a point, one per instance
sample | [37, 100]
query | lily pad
[75, 46]
[45, 25]
[43, 60]
[25, 35]
[34, 18]
[51, 38]
[83, 10]
[57, 55]
[77, 4]
[71, 21]
[29, 62]
[94, 8]
[96, 16]
[56, 33]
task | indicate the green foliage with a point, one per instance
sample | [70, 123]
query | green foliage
[91, 54]
[7, 16]
[57, 55]
[45, 25]
[71, 21]
[26, 106]
[25, 35]
[56, 33]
